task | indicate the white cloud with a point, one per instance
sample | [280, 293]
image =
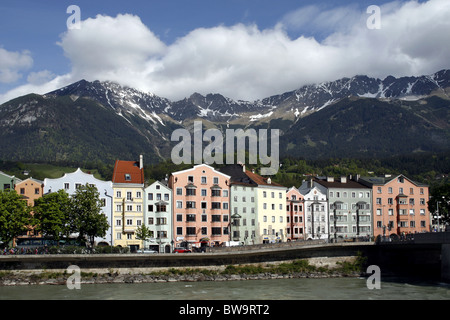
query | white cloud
[12, 63]
[244, 62]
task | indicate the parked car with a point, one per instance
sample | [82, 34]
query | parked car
[181, 250]
[146, 251]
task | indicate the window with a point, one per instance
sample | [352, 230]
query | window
[161, 208]
[190, 217]
[179, 191]
[66, 186]
[215, 205]
[390, 201]
[150, 220]
[150, 196]
[150, 208]
[190, 204]
[264, 194]
[203, 192]
[138, 194]
[190, 192]
[203, 180]
[225, 205]
[215, 180]
[127, 177]
[225, 193]
[179, 204]
[129, 195]
[215, 193]
[390, 190]
[191, 179]
[129, 222]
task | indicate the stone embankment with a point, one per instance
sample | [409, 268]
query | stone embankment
[16, 279]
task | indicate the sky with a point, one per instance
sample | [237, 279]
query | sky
[243, 49]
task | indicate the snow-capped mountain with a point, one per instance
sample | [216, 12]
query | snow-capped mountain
[86, 121]
[314, 97]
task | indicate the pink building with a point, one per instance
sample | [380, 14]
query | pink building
[399, 205]
[295, 215]
[201, 214]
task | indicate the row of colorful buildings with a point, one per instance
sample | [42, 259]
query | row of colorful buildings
[204, 206]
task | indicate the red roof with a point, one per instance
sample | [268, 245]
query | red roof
[128, 172]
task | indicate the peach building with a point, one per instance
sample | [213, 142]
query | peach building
[200, 206]
[295, 215]
[399, 205]
[30, 189]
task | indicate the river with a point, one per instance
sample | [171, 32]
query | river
[276, 289]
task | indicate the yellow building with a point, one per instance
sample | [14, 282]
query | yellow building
[271, 210]
[128, 203]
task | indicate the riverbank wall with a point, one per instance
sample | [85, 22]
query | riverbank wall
[125, 268]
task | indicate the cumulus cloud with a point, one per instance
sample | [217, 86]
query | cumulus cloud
[244, 62]
[12, 63]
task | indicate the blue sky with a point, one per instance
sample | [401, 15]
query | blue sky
[209, 45]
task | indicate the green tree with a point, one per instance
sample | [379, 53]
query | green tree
[51, 213]
[86, 214]
[143, 233]
[15, 216]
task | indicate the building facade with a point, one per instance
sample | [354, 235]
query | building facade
[295, 229]
[243, 205]
[158, 216]
[400, 205]
[200, 206]
[350, 205]
[70, 182]
[30, 189]
[128, 203]
[270, 208]
[7, 182]
[315, 211]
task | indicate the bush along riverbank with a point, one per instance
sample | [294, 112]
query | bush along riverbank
[286, 270]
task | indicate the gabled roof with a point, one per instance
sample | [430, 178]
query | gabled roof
[128, 172]
[30, 179]
[247, 178]
[381, 181]
[350, 184]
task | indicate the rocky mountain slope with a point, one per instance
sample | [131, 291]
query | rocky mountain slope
[358, 116]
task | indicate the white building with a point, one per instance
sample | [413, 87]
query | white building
[71, 181]
[158, 216]
[316, 211]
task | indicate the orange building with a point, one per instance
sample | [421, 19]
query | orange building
[30, 189]
[200, 206]
[399, 205]
[295, 215]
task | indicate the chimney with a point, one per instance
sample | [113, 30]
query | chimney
[311, 183]
[243, 168]
[141, 162]
[330, 179]
[269, 181]
[343, 179]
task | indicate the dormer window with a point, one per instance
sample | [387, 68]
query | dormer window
[127, 177]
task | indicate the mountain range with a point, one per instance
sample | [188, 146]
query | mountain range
[349, 117]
